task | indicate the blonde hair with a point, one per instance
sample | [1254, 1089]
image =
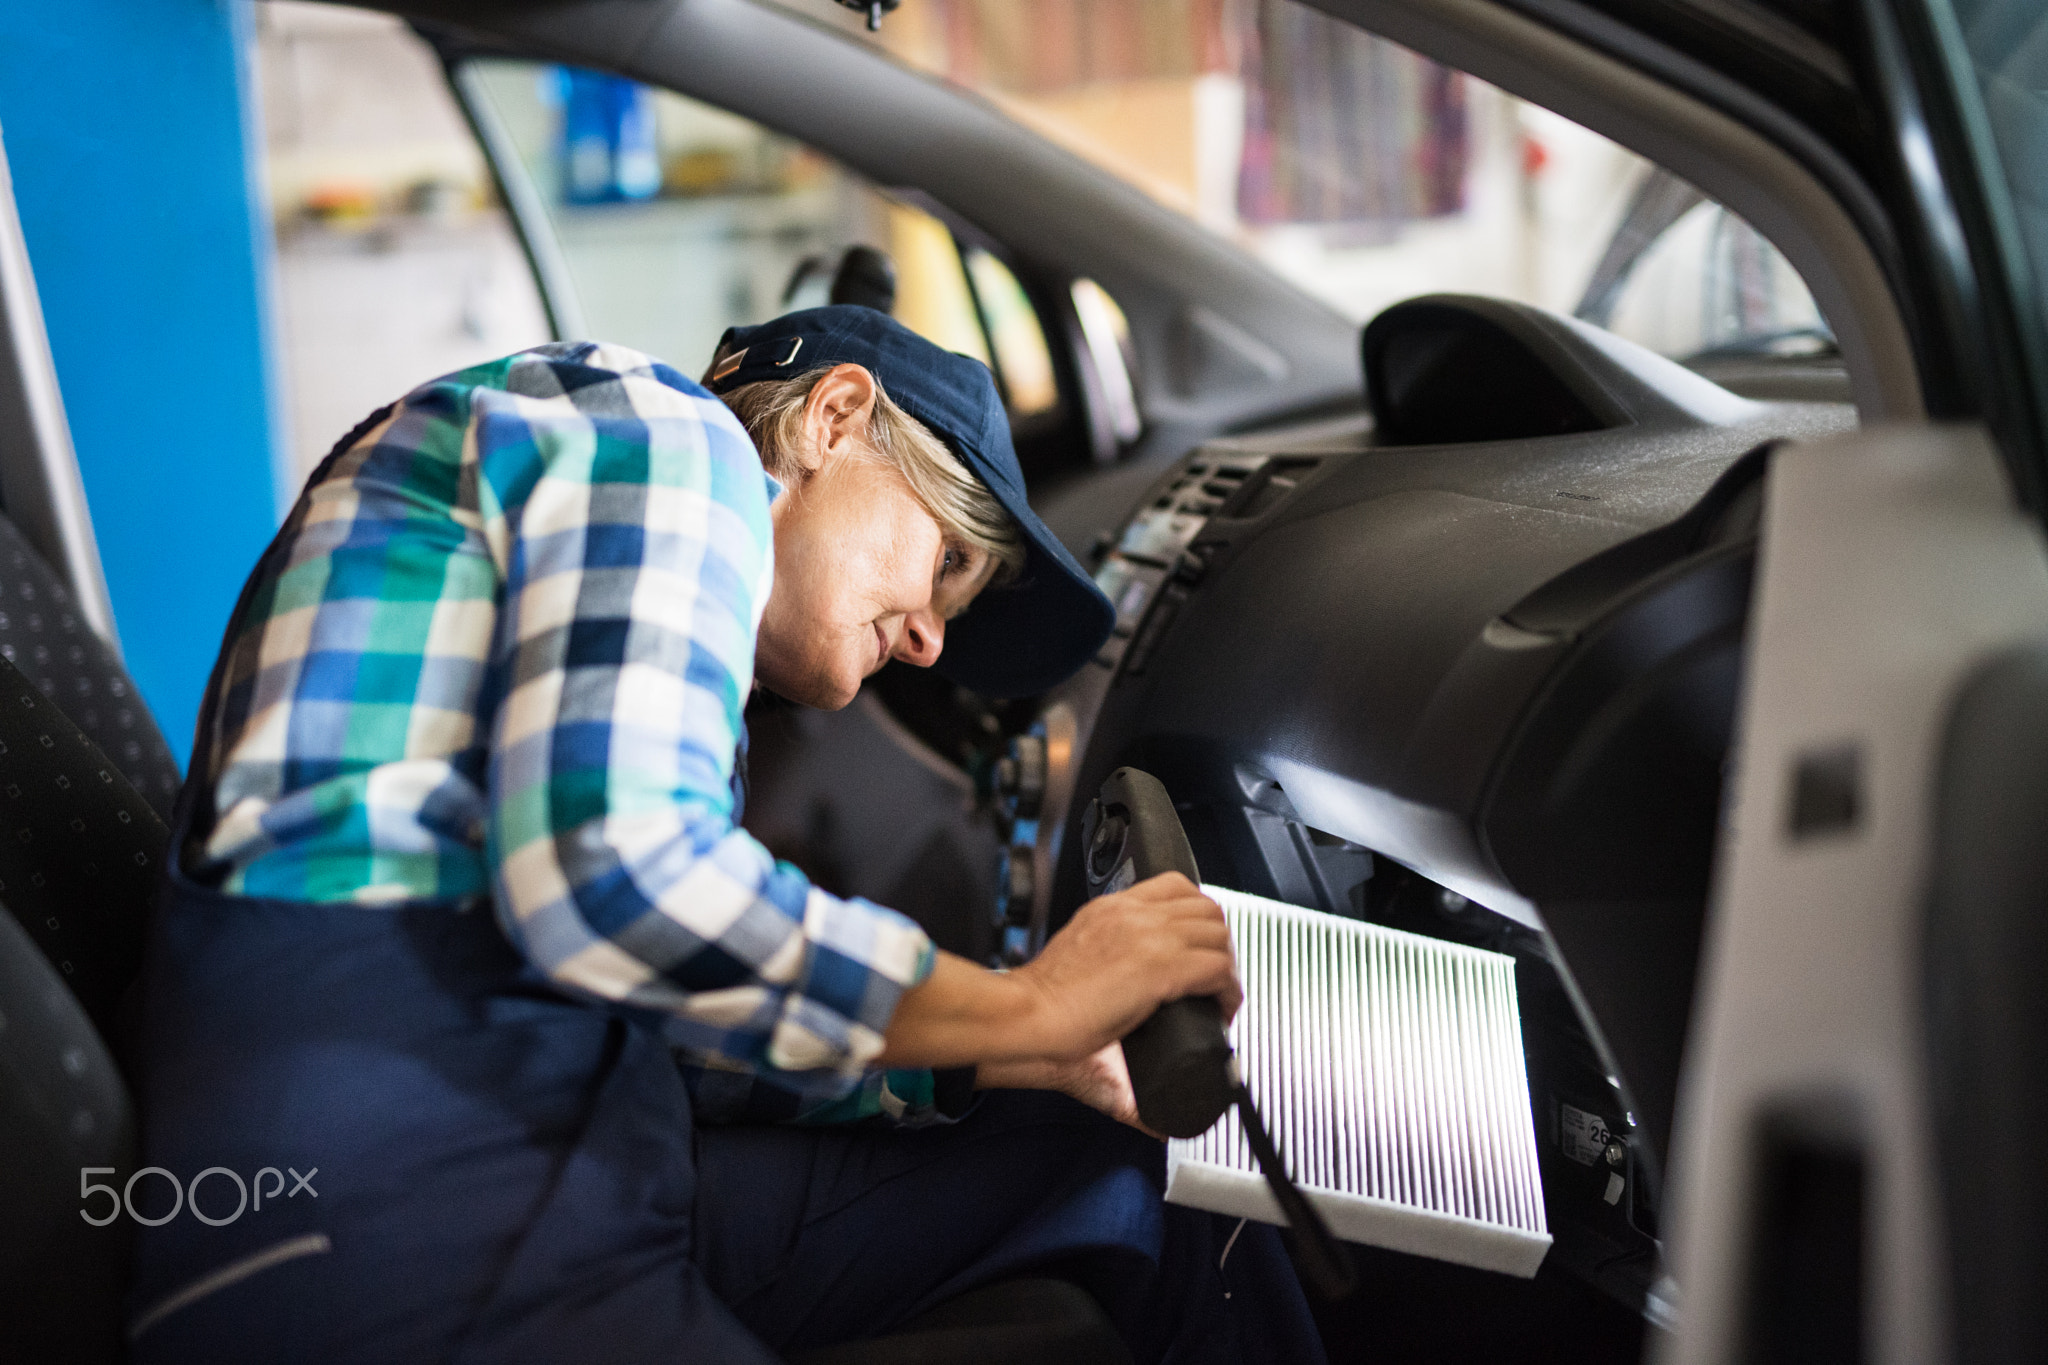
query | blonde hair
[772, 411]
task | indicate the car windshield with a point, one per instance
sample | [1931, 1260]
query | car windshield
[2007, 41]
[1360, 171]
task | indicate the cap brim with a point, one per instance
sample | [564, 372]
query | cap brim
[1037, 631]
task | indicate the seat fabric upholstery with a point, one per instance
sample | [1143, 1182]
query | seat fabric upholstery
[63, 1111]
[79, 850]
[43, 635]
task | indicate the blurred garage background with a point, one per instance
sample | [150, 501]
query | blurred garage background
[253, 221]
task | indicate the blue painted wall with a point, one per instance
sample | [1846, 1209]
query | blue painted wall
[130, 133]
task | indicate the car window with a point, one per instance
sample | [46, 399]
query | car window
[1023, 363]
[2005, 43]
[1355, 168]
[394, 260]
[1699, 282]
[676, 220]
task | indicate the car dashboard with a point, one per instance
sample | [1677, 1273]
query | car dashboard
[1466, 665]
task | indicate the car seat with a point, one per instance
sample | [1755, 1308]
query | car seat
[68, 1123]
[79, 849]
[43, 634]
[78, 861]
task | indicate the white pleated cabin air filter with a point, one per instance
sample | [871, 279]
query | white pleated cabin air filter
[1388, 1068]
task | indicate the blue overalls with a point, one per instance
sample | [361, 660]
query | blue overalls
[441, 1158]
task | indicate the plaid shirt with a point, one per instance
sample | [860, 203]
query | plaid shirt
[501, 647]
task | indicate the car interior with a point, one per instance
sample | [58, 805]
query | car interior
[1443, 624]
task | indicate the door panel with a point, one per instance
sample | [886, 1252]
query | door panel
[1807, 1224]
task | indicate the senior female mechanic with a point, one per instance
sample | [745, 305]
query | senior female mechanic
[463, 925]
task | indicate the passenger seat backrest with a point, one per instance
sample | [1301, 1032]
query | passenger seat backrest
[63, 1112]
[43, 634]
[80, 852]
[80, 849]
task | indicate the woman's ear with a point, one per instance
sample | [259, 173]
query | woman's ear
[836, 417]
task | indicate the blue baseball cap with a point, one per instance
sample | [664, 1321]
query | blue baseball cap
[1015, 640]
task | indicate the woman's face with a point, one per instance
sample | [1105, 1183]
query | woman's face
[862, 572]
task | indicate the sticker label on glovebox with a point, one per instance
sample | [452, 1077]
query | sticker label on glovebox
[1583, 1136]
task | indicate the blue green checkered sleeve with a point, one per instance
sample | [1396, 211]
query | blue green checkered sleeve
[629, 517]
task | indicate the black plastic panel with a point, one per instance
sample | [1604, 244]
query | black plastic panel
[1391, 618]
[1419, 358]
[1987, 1012]
[1480, 689]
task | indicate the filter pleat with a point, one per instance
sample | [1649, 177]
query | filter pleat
[1459, 1088]
[1444, 1075]
[1389, 1069]
[1414, 1091]
[1329, 1134]
[1443, 1134]
[1470, 1176]
[1351, 1063]
[1400, 1112]
[1490, 1163]
[1393, 1148]
[1443, 1137]
[1507, 1096]
[1378, 1183]
[1512, 1097]
[1429, 1189]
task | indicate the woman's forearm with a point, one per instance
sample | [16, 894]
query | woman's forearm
[962, 1015]
[1096, 980]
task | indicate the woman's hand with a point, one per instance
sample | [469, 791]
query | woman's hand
[1102, 1082]
[1123, 956]
[1118, 960]
[1056, 1018]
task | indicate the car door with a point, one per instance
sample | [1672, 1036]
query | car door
[1896, 569]
[1854, 1170]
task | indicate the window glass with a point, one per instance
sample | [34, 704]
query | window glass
[933, 297]
[1106, 335]
[1357, 169]
[1023, 364]
[1711, 285]
[677, 220]
[2007, 46]
[394, 261]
